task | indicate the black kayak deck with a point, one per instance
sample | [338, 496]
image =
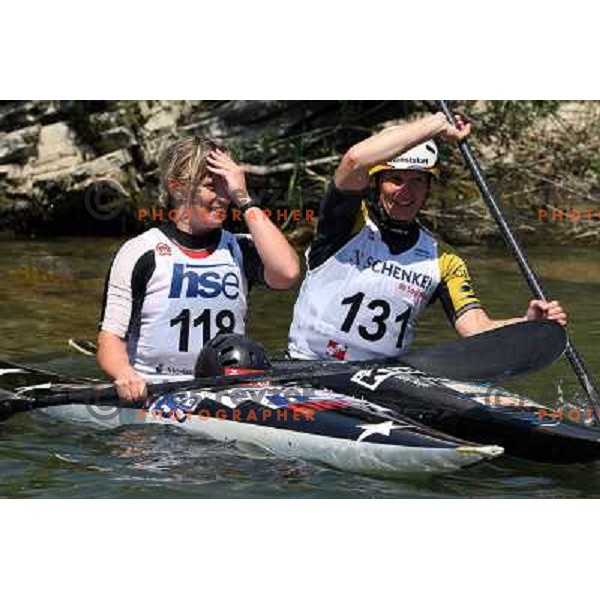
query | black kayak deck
[477, 412]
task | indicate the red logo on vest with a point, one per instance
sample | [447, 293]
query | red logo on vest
[336, 350]
[163, 249]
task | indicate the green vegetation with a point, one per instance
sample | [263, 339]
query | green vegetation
[538, 155]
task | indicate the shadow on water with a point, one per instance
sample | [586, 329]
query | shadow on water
[50, 291]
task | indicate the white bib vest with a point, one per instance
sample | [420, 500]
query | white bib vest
[364, 301]
[188, 301]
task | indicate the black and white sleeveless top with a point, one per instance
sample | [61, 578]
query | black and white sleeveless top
[167, 299]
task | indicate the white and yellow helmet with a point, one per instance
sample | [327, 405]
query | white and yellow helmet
[424, 157]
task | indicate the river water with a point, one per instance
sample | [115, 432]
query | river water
[50, 291]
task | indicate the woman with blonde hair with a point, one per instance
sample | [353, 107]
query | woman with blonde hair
[174, 287]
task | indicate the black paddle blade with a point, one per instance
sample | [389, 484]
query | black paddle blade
[494, 355]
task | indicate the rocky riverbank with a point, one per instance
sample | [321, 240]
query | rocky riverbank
[53, 154]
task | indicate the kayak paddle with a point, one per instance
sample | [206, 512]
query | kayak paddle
[577, 363]
[497, 354]
[533, 346]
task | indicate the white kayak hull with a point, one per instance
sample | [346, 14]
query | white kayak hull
[364, 457]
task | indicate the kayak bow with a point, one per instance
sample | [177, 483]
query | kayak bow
[311, 424]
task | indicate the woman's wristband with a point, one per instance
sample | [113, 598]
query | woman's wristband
[243, 208]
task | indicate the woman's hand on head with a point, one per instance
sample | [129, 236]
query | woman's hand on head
[221, 164]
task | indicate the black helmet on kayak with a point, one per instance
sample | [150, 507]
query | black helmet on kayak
[231, 354]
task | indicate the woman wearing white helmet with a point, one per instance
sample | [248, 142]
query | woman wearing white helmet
[372, 268]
